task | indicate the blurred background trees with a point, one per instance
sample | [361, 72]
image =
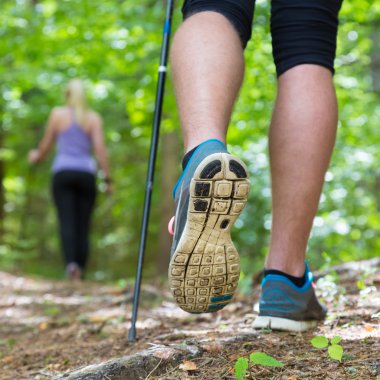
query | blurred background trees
[114, 46]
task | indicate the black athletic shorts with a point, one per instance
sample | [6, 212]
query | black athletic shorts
[303, 31]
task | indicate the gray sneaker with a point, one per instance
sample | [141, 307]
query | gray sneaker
[284, 306]
[211, 193]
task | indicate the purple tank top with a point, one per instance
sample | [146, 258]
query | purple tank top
[74, 150]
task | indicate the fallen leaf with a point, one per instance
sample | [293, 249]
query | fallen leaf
[98, 318]
[8, 359]
[164, 354]
[235, 356]
[369, 328]
[213, 347]
[188, 366]
[43, 326]
[53, 367]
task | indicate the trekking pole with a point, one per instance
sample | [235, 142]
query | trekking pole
[151, 164]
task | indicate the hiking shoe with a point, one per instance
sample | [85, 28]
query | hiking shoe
[209, 196]
[73, 272]
[284, 306]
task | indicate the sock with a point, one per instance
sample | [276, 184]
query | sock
[187, 156]
[297, 281]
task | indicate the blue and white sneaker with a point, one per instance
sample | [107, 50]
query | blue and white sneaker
[209, 196]
[284, 306]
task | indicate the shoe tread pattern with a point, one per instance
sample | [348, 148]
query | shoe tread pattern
[205, 267]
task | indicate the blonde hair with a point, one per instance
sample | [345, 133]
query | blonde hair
[76, 99]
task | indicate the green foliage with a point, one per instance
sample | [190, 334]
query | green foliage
[336, 339]
[260, 358]
[360, 284]
[320, 342]
[334, 350]
[115, 47]
[52, 311]
[256, 358]
[241, 367]
[8, 342]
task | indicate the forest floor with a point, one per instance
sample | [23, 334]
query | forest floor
[48, 328]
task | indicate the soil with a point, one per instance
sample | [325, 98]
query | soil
[48, 328]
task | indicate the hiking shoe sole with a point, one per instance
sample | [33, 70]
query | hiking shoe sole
[204, 269]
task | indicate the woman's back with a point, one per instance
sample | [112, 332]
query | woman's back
[74, 145]
[72, 138]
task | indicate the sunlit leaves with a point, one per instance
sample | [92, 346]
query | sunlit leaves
[263, 359]
[334, 350]
[319, 342]
[115, 46]
[241, 367]
[256, 358]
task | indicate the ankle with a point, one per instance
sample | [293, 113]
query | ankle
[293, 265]
[297, 281]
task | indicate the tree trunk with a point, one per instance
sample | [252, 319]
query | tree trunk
[2, 190]
[375, 72]
[168, 176]
[2, 172]
[375, 57]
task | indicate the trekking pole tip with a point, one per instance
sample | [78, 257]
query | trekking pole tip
[132, 335]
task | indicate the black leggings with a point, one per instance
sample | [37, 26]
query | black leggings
[74, 196]
[303, 31]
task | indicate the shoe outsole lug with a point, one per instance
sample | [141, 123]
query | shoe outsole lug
[210, 263]
[202, 189]
[237, 169]
[211, 169]
[200, 205]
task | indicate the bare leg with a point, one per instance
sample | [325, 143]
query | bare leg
[207, 63]
[302, 136]
[208, 67]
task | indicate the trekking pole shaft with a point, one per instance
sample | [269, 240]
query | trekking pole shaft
[151, 164]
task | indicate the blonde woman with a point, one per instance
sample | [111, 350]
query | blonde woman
[77, 131]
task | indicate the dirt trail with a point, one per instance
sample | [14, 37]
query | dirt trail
[48, 328]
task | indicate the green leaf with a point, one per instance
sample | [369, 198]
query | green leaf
[52, 311]
[336, 339]
[320, 342]
[263, 359]
[8, 342]
[360, 284]
[335, 352]
[241, 367]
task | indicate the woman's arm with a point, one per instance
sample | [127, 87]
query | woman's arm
[37, 155]
[97, 137]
